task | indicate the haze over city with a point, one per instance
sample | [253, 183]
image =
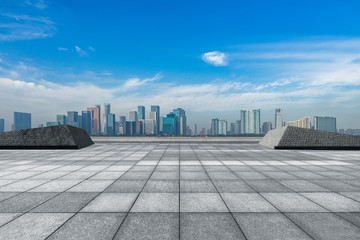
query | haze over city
[210, 58]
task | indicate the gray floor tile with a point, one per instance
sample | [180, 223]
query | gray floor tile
[267, 186]
[201, 186]
[325, 226]
[334, 202]
[149, 226]
[247, 202]
[302, 186]
[6, 217]
[159, 186]
[232, 186]
[269, 226]
[24, 202]
[209, 226]
[157, 202]
[126, 186]
[111, 202]
[82, 226]
[201, 202]
[354, 218]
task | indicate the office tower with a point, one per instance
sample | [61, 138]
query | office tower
[2, 125]
[302, 123]
[170, 123]
[180, 114]
[141, 112]
[325, 123]
[195, 130]
[22, 121]
[86, 121]
[40, 125]
[130, 128]
[156, 109]
[61, 119]
[267, 126]
[95, 113]
[50, 124]
[122, 120]
[153, 116]
[278, 118]
[110, 125]
[161, 125]
[250, 121]
[80, 121]
[218, 127]
[237, 127]
[107, 107]
[150, 126]
[117, 128]
[140, 127]
[133, 117]
[73, 118]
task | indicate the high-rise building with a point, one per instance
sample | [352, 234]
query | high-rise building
[278, 118]
[22, 121]
[141, 112]
[237, 127]
[133, 117]
[86, 121]
[161, 125]
[150, 126]
[110, 126]
[195, 130]
[302, 123]
[250, 121]
[122, 122]
[153, 116]
[218, 127]
[95, 113]
[107, 111]
[73, 118]
[325, 123]
[180, 114]
[203, 132]
[2, 125]
[170, 124]
[130, 128]
[61, 119]
[140, 127]
[267, 126]
[232, 128]
[156, 109]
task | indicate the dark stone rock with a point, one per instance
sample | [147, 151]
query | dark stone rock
[55, 137]
[303, 138]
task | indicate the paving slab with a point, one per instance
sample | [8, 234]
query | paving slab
[157, 202]
[111, 202]
[201, 202]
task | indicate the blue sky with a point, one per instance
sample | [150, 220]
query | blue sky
[211, 58]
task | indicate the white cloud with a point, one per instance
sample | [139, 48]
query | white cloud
[61, 49]
[36, 3]
[92, 49]
[215, 58]
[137, 82]
[80, 51]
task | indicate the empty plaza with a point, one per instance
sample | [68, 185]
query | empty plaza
[179, 188]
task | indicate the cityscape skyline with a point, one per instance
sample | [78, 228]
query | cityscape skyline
[54, 56]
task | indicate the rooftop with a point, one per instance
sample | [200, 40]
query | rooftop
[171, 188]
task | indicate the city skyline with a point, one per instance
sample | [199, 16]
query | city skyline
[56, 55]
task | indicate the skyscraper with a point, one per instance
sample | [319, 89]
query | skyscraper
[218, 127]
[22, 121]
[149, 128]
[2, 125]
[267, 126]
[302, 123]
[325, 123]
[133, 117]
[107, 107]
[141, 112]
[110, 127]
[73, 118]
[278, 118]
[86, 121]
[250, 121]
[170, 124]
[195, 130]
[95, 113]
[156, 109]
[153, 116]
[61, 119]
[180, 114]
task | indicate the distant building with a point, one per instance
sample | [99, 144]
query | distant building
[232, 128]
[170, 124]
[267, 126]
[122, 120]
[278, 118]
[2, 125]
[110, 127]
[86, 121]
[203, 132]
[302, 123]
[140, 127]
[155, 108]
[195, 130]
[153, 116]
[50, 124]
[141, 112]
[180, 114]
[350, 131]
[325, 123]
[133, 117]
[130, 128]
[150, 126]
[238, 127]
[250, 121]
[61, 119]
[22, 121]
[161, 125]
[40, 125]
[73, 118]
[95, 113]
[218, 127]
[107, 111]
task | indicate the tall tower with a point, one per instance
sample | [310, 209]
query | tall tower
[278, 118]
[95, 120]
[250, 121]
[105, 117]
[141, 112]
[155, 108]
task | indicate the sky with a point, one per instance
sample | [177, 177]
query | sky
[211, 58]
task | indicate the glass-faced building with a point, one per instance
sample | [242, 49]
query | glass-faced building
[2, 125]
[141, 112]
[22, 121]
[250, 121]
[156, 109]
[61, 119]
[325, 123]
[73, 119]
[86, 121]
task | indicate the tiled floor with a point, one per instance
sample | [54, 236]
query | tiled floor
[162, 189]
